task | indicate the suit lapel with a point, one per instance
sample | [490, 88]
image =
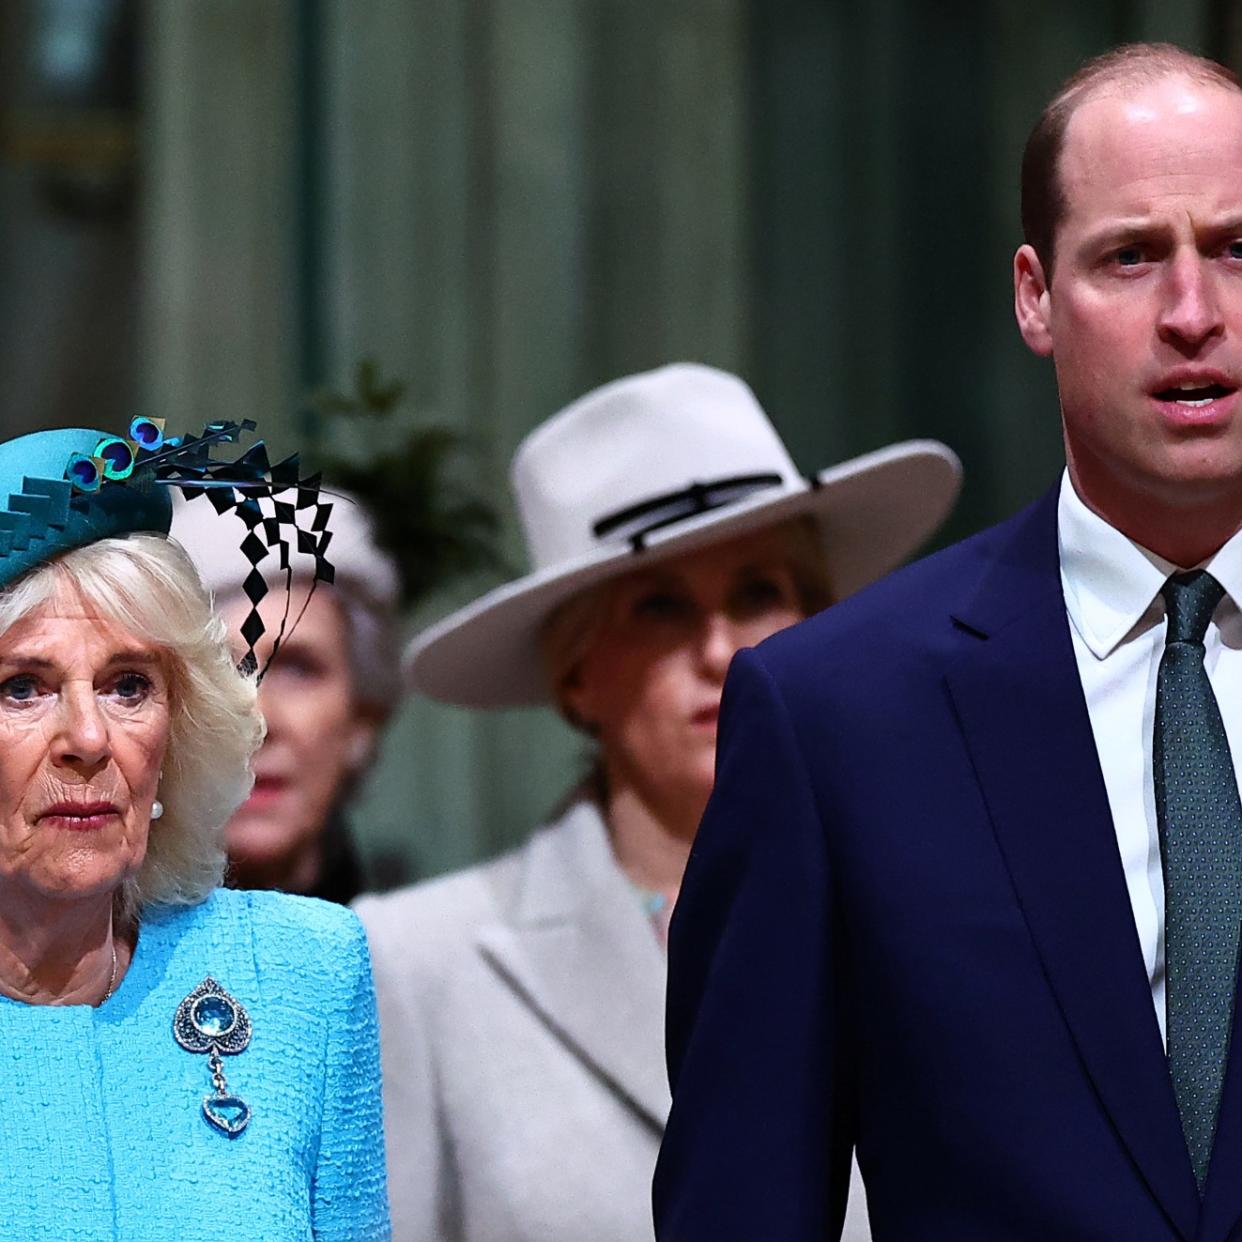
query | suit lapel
[1020, 703]
[580, 953]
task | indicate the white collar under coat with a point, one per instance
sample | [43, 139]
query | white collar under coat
[1112, 584]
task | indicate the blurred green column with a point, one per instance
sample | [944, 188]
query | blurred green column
[220, 316]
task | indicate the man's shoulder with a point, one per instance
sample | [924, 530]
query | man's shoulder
[905, 615]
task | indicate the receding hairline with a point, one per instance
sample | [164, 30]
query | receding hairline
[1130, 86]
[1120, 91]
[1133, 65]
[1118, 73]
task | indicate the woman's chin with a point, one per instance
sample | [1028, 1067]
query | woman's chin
[259, 842]
[80, 880]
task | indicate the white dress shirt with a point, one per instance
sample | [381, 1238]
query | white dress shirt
[1112, 594]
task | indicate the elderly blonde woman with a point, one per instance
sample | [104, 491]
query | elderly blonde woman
[521, 1002]
[179, 1061]
[325, 700]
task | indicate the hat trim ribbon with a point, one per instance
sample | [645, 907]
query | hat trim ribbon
[635, 523]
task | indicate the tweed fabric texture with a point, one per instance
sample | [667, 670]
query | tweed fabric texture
[1200, 819]
[104, 1137]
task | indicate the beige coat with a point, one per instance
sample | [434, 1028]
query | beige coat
[521, 1024]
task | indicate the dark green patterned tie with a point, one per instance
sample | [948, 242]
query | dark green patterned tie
[1200, 820]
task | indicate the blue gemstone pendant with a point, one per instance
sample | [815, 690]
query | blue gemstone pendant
[210, 1020]
[227, 1113]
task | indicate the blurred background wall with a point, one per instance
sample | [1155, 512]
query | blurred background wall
[211, 208]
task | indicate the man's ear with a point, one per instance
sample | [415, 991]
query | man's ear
[1032, 303]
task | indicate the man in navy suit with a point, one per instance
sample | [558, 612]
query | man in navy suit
[968, 891]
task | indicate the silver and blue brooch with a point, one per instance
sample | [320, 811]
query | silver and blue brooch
[210, 1020]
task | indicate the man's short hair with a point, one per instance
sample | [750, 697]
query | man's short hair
[1132, 64]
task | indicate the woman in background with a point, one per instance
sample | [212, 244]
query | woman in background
[325, 699]
[522, 1001]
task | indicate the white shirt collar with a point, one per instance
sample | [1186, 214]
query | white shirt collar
[1110, 582]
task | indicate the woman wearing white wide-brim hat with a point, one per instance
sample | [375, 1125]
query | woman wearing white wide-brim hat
[522, 1001]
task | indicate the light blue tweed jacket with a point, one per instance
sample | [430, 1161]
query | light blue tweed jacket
[104, 1137]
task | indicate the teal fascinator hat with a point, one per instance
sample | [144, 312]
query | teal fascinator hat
[66, 488]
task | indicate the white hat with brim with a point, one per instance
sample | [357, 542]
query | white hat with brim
[650, 467]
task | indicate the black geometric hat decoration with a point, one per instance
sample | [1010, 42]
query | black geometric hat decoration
[70, 487]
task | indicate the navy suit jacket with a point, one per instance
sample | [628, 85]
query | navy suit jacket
[904, 926]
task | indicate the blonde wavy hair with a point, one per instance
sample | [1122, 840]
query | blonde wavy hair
[147, 584]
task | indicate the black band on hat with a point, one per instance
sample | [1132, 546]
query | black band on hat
[673, 507]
